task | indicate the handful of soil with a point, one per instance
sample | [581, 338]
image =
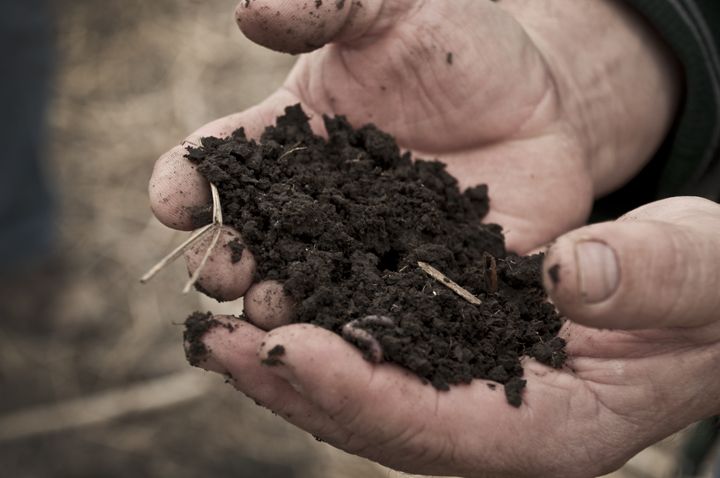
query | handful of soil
[343, 222]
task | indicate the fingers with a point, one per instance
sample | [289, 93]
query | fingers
[179, 195]
[314, 379]
[232, 350]
[267, 306]
[305, 25]
[657, 267]
[333, 374]
[227, 273]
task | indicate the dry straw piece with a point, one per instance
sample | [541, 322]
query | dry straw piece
[447, 282]
[214, 227]
[294, 149]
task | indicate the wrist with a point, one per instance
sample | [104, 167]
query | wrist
[619, 84]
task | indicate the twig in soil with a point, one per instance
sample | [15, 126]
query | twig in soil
[294, 149]
[447, 282]
[353, 332]
[215, 226]
[217, 210]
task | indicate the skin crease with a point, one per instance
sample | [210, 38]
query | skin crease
[548, 130]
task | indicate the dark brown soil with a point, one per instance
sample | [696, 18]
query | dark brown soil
[273, 356]
[236, 250]
[342, 223]
[196, 326]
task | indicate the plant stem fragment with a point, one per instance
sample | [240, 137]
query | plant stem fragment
[215, 226]
[449, 283]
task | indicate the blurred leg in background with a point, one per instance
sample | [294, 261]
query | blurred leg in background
[26, 206]
[697, 447]
[27, 211]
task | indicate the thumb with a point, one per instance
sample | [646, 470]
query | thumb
[305, 25]
[658, 266]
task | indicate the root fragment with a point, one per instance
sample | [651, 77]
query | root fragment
[292, 150]
[215, 226]
[449, 283]
[177, 252]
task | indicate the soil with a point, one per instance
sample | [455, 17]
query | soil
[273, 356]
[343, 221]
[196, 326]
[236, 250]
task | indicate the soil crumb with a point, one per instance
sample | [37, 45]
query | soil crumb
[196, 326]
[342, 222]
[273, 356]
[236, 250]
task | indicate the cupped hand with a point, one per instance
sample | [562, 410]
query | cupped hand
[643, 341]
[495, 90]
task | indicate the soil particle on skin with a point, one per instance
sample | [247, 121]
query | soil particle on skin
[339, 4]
[200, 215]
[342, 223]
[513, 391]
[277, 351]
[196, 326]
[273, 356]
[449, 58]
[236, 249]
[213, 295]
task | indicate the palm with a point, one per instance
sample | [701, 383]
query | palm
[433, 82]
[613, 399]
[493, 115]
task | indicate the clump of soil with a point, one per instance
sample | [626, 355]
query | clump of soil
[342, 222]
[196, 326]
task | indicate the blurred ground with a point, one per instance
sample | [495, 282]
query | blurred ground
[134, 78]
[94, 382]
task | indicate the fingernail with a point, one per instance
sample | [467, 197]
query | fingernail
[191, 141]
[598, 270]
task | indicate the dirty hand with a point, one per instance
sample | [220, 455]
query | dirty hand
[517, 109]
[498, 91]
[651, 277]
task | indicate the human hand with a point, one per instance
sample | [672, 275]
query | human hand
[518, 111]
[644, 347]
[498, 91]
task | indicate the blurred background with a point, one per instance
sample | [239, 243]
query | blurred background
[93, 379]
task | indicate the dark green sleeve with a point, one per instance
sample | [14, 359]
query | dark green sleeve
[688, 163]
